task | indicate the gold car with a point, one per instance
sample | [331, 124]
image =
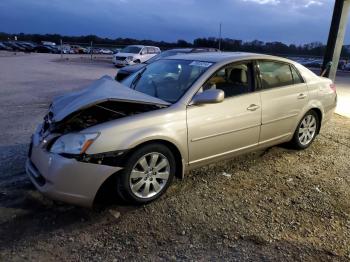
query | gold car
[174, 115]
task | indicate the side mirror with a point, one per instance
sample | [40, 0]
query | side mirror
[143, 52]
[210, 96]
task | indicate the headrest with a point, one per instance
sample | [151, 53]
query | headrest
[238, 75]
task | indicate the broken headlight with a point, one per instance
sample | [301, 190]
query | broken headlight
[73, 143]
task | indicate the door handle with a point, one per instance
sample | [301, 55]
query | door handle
[253, 107]
[301, 96]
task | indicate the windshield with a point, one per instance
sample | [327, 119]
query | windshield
[131, 49]
[167, 79]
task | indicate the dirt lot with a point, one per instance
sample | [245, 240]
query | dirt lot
[277, 204]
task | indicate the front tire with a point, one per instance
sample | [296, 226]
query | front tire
[148, 173]
[306, 131]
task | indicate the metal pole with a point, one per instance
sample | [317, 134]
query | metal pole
[91, 50]
[61, 49]
[335, 38]
[220, 36]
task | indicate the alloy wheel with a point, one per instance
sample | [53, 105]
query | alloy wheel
[149, 175]
[307, 129]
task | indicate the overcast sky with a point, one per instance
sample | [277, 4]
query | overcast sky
[290, 21]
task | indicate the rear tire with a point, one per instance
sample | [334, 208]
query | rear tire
[148, 173]
[306, 131]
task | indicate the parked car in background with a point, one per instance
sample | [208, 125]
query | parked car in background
[46, 49]
[5, 47]
[15, 46]
[105, 51]
[342, 64]
[346, 67]
[66, 49]
[27, 47]
[128, 70]
[48, 43]
[33, 45]
[135, 54]
[79, 49]
[313, 63]
[175, 115]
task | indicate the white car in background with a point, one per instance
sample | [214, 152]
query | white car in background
[105, 51]
[135, 54]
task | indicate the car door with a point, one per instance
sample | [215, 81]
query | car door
[143, 54]
[219, 130]
[284, 95]
[150, 52]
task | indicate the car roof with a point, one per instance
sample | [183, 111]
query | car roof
[215, 57]
[183, 50]
[141, 46]
[192, 49]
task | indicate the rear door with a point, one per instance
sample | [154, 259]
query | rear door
[149, 54]
[284, 95]
[144, 54]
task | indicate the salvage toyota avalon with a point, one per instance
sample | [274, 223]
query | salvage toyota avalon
[174, 115]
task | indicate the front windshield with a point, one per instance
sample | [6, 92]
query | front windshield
[131, 49]
[167, 79]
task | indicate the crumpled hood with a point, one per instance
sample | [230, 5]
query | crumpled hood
[101, 90]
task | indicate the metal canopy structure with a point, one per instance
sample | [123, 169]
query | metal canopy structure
[336, 37]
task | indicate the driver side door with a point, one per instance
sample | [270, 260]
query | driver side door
[218, 131]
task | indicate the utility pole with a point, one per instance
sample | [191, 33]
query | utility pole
[91, 50]
[220, 36]
[61, 43]
[335, 38]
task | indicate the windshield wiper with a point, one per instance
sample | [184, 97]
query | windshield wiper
[137, 78]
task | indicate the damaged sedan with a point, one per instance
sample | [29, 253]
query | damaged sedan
[173, 115]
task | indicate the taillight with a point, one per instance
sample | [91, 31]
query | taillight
[333, 87]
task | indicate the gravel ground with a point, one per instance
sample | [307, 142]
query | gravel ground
[277, 204]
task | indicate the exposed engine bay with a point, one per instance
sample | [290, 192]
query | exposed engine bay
[104, 100]
[96, 114]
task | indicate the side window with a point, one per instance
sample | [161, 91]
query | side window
[275, 74]
[234, 79]
[150, 50]
[296, 77]
[144, 51]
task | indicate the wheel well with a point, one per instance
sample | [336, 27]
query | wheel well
[106, 194]
[173, 149]
[319, 115]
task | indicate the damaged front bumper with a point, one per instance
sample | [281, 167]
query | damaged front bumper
[65, 179]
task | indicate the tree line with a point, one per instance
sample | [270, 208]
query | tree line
[227, 44]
